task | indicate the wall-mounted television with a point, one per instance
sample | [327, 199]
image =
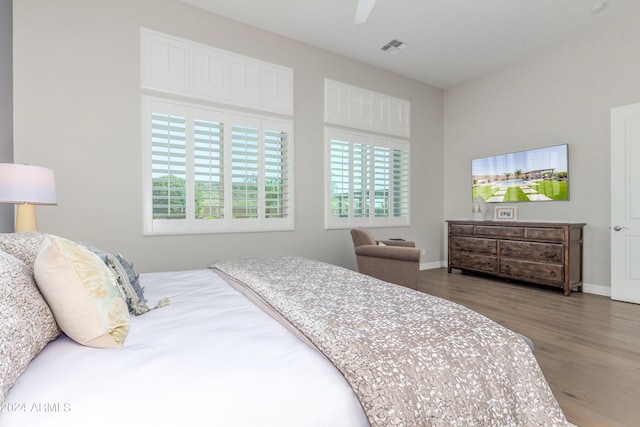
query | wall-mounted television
[537, 175]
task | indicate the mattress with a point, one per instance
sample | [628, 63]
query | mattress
[209, 358]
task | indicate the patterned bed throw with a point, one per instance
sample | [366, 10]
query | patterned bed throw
[411, 358]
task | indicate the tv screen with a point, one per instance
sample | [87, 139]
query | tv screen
[537, 175]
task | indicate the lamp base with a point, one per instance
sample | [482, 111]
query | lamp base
[26, 218]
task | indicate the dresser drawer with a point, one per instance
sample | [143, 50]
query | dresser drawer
[471, 261]
[533, 271]
[545, 252]
[498, 231]
[471, 244]
[465, 229]
[545, 234]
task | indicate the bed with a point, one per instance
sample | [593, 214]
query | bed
[280, 341]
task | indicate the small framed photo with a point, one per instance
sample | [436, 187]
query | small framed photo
[507, 213]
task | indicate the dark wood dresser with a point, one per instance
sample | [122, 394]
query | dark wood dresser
[546, 253]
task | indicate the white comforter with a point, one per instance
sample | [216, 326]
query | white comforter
[210, 358]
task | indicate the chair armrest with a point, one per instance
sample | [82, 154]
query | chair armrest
[389, 252]
[404, 243]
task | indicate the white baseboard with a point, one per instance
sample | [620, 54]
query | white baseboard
[587, 288]
[432, 265]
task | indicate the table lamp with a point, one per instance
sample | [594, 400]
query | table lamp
[26, 186]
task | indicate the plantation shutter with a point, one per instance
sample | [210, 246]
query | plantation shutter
[361, 180]
[367, 141]
[208, 161]
[381, 180]
[400, 183]
[276, 173]
[368, 180]
[340, 171]
[244, 172]
[168, 166]
[214, 171]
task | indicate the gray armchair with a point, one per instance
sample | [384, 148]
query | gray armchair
[398, 261]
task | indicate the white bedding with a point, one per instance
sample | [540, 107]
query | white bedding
[210, 358]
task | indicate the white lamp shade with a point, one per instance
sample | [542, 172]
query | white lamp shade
[27, 184]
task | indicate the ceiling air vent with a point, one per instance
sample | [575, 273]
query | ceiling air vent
[394, 46]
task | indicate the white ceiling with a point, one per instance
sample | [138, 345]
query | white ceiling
[449, 41]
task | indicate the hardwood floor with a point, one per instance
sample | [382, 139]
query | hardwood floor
[588, 346]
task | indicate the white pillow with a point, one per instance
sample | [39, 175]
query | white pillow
[82, 293]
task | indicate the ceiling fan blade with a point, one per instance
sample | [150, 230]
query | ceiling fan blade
[363, 10]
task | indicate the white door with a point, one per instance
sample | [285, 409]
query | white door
[625, 203]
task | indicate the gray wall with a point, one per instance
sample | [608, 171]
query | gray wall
[77, 73]
[563, 95]
[6, 103]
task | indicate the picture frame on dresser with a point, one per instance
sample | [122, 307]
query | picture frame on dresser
[506, 213]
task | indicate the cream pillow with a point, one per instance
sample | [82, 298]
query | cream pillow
[82, 293]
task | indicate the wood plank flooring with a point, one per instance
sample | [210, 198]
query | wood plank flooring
[588, 346]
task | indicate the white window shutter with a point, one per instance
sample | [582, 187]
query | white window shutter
[399, 117]
[245, 177]
[366, 166]
[400, 183]
[380, 113]
[169, 174]
[339, 155]
[361, 168]
[183, 67]
[208, 169]
[381, 179]
[362, 109]
[208, 73]
[165, 63]
[214, 171]
[336, 103]
[367, 180]
[277, 176]
[244, 79]
[277, 89]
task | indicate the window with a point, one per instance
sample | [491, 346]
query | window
[368, 180]
[367, 164]
[214, 170]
